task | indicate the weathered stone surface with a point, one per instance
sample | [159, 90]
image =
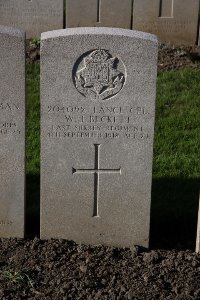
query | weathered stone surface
[173, 21]
[95, 13]
[198, 231]
[98, 88]
[32, 16]
[12, 132]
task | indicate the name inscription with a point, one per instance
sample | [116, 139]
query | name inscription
[9, 106]
[99, 122]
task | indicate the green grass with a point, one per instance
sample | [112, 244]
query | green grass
[33, 120]
[32, 149]
[177, 141]
[17, 278]
[176, 165]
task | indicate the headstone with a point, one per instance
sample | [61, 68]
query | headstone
[198, 231]
[174, 21]
[96, 13]
[32, 16]
[12, 132]
[98, 88]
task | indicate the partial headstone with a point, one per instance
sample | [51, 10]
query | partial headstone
[96, 13]
[12, 132]
[174, 21]
[98, 88]
[33, 16]
[198, 231]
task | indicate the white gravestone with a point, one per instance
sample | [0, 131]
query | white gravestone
[98, 88]
[33, 16]
[174, 21]
[104, 13]
[12, 132]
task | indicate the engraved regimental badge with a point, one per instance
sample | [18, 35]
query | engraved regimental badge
[98, 75]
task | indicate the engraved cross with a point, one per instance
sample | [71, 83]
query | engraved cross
[96, 171]
[166, 9]
[98, 11]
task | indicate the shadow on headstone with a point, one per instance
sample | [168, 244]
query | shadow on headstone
[174, 213]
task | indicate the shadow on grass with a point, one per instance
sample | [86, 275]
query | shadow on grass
[32, 206]
[174, 213]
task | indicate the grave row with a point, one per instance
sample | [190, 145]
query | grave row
[98, 90]
[174, 21]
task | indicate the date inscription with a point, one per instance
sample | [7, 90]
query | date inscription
[98, 122]
[9, 128]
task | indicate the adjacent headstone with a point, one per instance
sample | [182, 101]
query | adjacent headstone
[12, 132]
[95, 13]
[198, 231]
[32, 16]
[174, 21]
[98, 88]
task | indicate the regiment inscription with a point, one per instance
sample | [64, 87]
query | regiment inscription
[101, 122]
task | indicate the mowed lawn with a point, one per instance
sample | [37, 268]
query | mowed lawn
[176, 165]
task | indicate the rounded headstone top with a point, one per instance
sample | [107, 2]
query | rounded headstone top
[12, 31]
[100, 31]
